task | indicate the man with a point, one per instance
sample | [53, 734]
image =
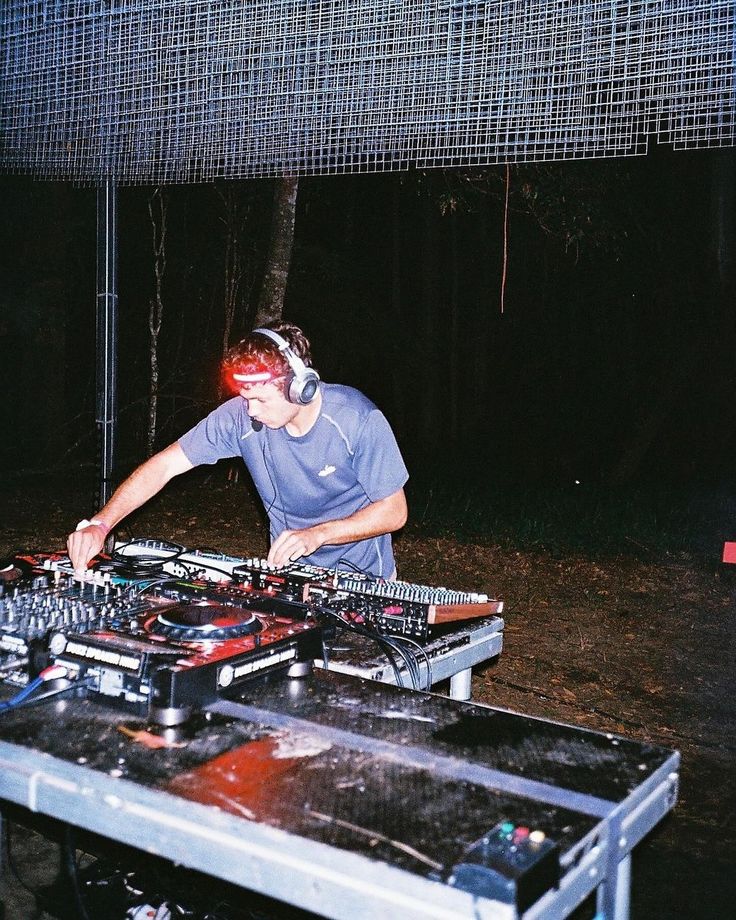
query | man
[323, 459]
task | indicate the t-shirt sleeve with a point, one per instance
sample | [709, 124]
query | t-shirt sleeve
[215, 437]
[378, 464]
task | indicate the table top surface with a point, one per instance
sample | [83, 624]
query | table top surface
[285, 742]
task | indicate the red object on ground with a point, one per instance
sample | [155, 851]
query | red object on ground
[729, 552]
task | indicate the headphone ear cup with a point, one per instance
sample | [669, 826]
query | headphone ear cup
[303, 387]
[303, 383]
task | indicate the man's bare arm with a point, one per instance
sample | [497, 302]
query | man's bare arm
[143, 483]
[384, 516]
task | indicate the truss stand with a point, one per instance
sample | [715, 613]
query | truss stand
[107, 334]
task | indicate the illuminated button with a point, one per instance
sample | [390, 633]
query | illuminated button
[226, 675]
[537, 836]
[507, 827]
[521, 833]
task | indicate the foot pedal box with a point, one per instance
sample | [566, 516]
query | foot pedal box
[512, 864]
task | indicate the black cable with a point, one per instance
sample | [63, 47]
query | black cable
[351, 565]
[143, 560]
[392, 661]
[69, 856]
[407, 657]
[140, 564]
[425, 655]
[362, 630]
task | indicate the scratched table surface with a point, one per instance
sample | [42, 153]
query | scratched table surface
[406, 779]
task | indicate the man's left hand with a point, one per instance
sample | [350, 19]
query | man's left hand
[291, 545]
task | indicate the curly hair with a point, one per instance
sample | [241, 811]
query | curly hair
[257, 354]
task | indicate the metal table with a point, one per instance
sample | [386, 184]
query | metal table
[352, 798]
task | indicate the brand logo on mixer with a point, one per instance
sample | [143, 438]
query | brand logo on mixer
[260, 663]
[130, 662]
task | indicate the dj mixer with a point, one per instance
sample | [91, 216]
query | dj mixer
[381, 800]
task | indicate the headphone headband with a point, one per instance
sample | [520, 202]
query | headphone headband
[304, 383]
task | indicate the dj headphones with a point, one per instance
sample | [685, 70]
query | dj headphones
[303, 384]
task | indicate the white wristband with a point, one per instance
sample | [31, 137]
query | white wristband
[93, 523]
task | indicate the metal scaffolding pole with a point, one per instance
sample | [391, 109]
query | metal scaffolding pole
[107, 334]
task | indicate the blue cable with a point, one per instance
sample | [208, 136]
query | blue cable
[22, 694]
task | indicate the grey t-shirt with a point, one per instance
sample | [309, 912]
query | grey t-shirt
[348, 459]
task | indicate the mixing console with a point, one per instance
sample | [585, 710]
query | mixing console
[398, 608]
[161, 630]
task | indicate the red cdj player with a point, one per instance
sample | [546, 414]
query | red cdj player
[168, 659]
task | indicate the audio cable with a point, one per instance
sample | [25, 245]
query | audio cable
[32, 692]
[392, 647]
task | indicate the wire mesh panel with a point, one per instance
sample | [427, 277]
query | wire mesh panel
[191, 90]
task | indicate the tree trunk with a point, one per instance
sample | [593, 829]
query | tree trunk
[233, 269]
[276, 274]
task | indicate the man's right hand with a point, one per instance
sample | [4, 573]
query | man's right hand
[143, 483]
[83, 545]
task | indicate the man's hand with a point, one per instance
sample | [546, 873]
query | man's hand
[383, 516]
[83, 545]
[143, 483]
[291, 545]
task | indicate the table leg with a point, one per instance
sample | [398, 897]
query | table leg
[460, 685]
[614, 897]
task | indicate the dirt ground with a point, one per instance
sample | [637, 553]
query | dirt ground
[640, 648]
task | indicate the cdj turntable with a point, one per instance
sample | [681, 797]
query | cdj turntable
[154, 655]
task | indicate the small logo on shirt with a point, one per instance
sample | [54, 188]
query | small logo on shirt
[327, 470]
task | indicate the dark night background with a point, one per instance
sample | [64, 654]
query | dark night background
[610, 361]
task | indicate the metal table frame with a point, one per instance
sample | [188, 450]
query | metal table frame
[338, 883]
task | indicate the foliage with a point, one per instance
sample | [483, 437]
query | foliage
[584, 205]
